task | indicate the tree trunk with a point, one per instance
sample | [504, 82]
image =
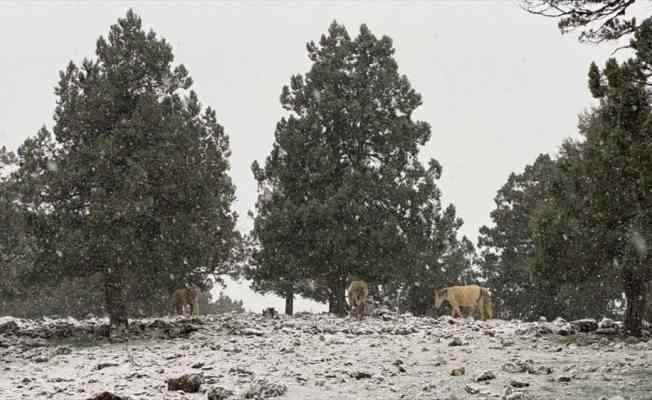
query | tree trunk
[340, 299]
[115, 297]
[635, 296]
[647, 312]
[289, 303]
[332, 307]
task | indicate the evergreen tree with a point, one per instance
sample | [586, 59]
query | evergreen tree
[612, 165]
[342, 192]
[533, 231]
[12, 241]
[447, 261]
[223, 304]
[507, 247]
[597, 229]
[132, 183]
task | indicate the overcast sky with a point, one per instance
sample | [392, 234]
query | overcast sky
[499, 86]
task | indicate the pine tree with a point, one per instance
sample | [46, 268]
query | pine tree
[613, 165]
[534, 239]
[342, 192]
[133, 181]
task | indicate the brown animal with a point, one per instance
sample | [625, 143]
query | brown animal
[474, 297]
[357, 296]
[185, 297]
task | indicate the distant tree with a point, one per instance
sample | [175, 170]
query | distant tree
[522, 244]
[223, 304]
[507, 248]
[342, 192]
[13, 243]
[133, 183]
[598, 228]
[612, 165]
[447, 261]
[602, 20]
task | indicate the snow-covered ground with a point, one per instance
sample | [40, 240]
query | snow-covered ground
[323, 357]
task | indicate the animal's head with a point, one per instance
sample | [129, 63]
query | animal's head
[440, 296]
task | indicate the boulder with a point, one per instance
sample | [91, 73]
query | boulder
[189, 383]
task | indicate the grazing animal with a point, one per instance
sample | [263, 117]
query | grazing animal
[185, 297]
[357, 296]
[473, 297]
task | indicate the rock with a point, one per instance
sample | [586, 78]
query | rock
[545, 329]
[219, 393]
[518, 384]
[381, 312]
[485, 376]
[101, 366]
[526, 366]
[405, 330]
[455, 342]
[458, 371]
[62, 350]
[514, 368]
[108, 396]
[439, 361]
[263, 389]
[566, 330]
[399, 364]
[429, 387]
[189, 383]
[606, 331]
[360, 375]
[564, 379]
[251, 332]
[585, 325]
[607, 323]
[518, 396]
[540, 370]
[31, 343]
[9, 327]
[240, 372]
[471, 389]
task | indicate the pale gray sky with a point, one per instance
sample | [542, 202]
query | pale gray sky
[499, 86]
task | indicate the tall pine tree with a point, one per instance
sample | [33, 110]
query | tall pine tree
[343, 193]
[133, 184]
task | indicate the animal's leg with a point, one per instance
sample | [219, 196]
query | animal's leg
[486, 310]
[456, 311]
[486, 306]
[195, 306]
[476, 309]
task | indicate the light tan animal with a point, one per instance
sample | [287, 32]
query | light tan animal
[185, 297]
[357, 295]
[474, 297]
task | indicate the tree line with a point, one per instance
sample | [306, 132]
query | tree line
[129, 197]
